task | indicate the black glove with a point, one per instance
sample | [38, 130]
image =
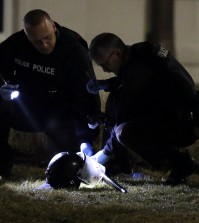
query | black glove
[7, 90]
[93, 86]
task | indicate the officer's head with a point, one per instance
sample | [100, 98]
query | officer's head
[40, 30]
[107, 50]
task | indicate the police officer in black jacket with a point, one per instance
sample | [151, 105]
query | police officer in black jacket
[151, 104]
[49, 66]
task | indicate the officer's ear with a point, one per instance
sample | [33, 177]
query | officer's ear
[54, 26]
[118, 53]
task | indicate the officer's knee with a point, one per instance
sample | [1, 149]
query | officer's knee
[122, 134]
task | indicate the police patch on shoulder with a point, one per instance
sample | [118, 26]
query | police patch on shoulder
[162, 52]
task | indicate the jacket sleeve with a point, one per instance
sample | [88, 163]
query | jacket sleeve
[81, 71]
[6, 61]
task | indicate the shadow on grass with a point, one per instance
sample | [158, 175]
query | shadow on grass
[26, 172]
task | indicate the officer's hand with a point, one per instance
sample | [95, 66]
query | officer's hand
[100, 157]
[95, 120]
[86, 148]
[93, 86]
[7, 90]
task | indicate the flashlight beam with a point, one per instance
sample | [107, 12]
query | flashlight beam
[3, 79]
[113, 183]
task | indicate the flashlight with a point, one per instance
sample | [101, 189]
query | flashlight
[14, 95]
[8, 91]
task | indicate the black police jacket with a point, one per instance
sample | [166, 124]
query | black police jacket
[150, 83]
[47, 81]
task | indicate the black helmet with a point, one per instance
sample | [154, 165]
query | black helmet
[62, 170]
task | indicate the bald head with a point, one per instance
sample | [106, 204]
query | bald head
[35, 17]
[40, 30]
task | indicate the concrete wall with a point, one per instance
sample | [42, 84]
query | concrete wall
[126, 18]
[90, 17]
[187, 35]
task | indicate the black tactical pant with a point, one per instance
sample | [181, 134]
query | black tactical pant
[65, 128]
[157, 141]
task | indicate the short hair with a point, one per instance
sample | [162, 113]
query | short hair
[105, 41]
[35, 17]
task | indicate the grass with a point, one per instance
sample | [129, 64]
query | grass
[145, 202]
[149, 202]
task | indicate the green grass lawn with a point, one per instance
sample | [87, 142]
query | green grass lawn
[145, 202]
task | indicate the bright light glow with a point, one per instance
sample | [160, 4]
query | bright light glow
[14, 94]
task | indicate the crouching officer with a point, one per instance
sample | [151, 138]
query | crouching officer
[151, 104]
[49, 66]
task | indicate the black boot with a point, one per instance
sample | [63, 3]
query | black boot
[182, 167]
[6, 161]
